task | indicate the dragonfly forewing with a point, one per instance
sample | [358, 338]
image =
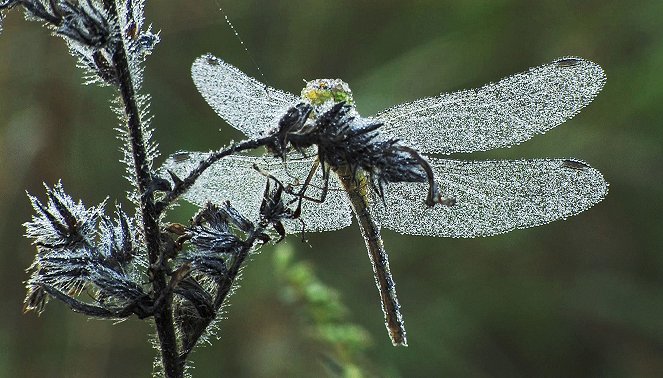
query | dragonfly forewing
[234, 179]
[492, 197]
[245, 103]
[500, 114]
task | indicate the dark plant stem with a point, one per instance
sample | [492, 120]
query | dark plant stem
[163, 316]
[228, 279]
[224, 287]
[184, 185]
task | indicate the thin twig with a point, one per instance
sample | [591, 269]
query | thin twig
[184, 185]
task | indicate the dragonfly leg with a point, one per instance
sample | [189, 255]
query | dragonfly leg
[434, 195]
[301, 194]
[271, 198]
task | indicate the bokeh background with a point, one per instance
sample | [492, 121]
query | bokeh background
[581, 297]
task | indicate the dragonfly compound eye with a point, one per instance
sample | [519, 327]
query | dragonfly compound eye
[321, 91]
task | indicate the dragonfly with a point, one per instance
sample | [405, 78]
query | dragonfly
[477, 198]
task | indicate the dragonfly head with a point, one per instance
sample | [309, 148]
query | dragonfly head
[323, 92]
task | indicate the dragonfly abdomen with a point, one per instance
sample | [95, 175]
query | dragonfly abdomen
[356, 187]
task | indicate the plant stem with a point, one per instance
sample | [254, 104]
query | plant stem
[163, 316]
[186, 183]
[224, 287]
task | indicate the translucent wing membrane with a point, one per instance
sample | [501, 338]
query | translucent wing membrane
[493, 197]
[245, 103]
[234, 179]
[500, 114]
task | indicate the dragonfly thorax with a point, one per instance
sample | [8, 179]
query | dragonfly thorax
[322, 92]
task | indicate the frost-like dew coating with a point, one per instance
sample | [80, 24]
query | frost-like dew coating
[234, 179]
[245, 103]
[500, 114]
[493, 197]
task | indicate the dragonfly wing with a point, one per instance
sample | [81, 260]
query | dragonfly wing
[245, 103]
[500, 114]
[234, 179]
[493, 197]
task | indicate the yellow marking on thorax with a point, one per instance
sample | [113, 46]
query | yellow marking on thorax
[354, 184]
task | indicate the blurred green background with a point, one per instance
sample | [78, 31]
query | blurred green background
[581, 297]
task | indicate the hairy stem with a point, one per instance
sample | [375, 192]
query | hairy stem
[224, 288]
[163, 316]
